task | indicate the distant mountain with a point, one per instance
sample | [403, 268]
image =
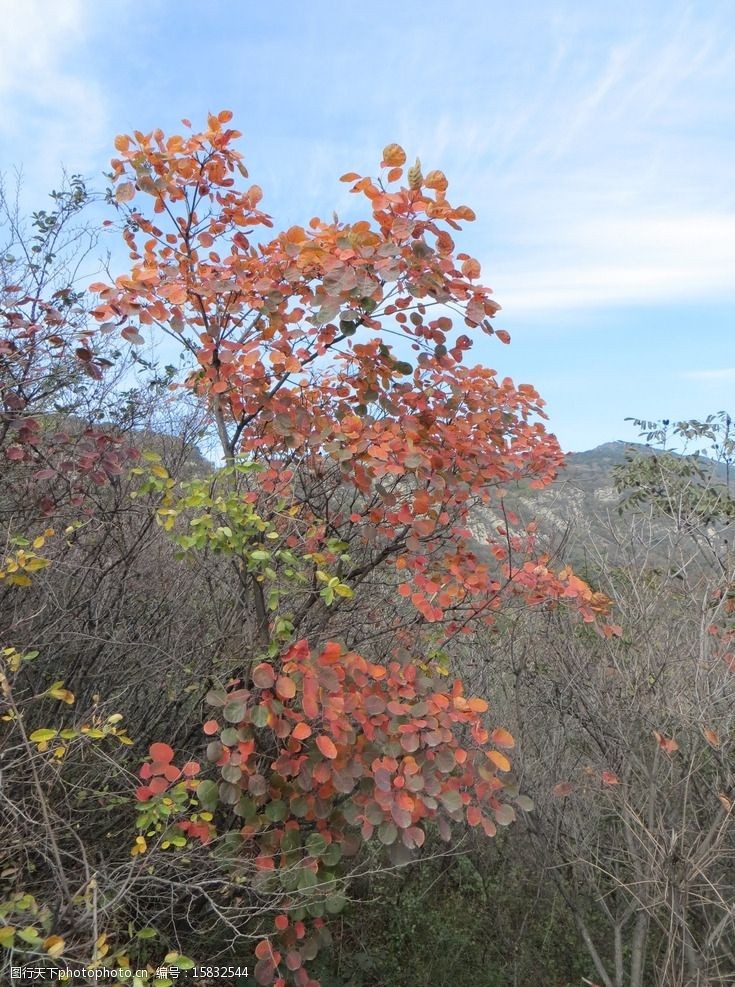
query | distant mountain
[578, 514]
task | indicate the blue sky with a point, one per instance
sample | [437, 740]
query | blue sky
[595, 140]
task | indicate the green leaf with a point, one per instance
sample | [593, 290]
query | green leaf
[276, 811]
[245, 808]
[234, 711]
[335, 902]
[208, 795]
[229, 737]
[228, 793]
[147, 933]
[332, 855]
[315, 844]
[307, 880]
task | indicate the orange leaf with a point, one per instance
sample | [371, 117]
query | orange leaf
[436, 180]
[471, 268]
[610, 778]
[711, 737]
[326, 746]
[500, 761]
[421, 502]
[501, 738]
[394, 156]
[301, 731]
[379, 452]
[667, 744]
[285, 687]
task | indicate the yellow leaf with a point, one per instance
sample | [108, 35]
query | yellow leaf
[54, 946]
[42, 736]
[415, 178]
[63, 695]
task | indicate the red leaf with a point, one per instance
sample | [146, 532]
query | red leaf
[293, 959]
[161, 752]
[561, 790]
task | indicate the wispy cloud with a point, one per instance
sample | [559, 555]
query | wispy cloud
[54, 110]
[720, 374]
[617, 189]
[630, 260]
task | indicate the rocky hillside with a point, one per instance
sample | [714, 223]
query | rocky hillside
[579, 515]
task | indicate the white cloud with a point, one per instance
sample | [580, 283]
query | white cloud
[607, 261]
[54, 111]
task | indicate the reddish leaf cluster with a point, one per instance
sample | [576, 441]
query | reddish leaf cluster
[41, 350]
[404, 749]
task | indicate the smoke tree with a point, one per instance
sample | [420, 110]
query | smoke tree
[357, 443]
